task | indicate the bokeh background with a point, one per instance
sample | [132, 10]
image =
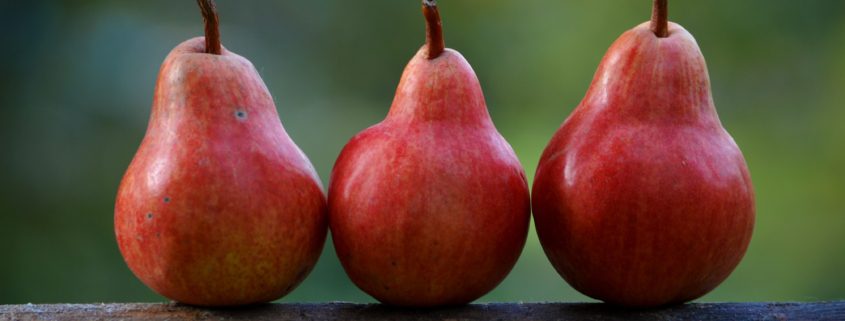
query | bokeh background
[77, 77]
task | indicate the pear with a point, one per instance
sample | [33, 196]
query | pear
[642, 198]
[430, 207]
[219, 207]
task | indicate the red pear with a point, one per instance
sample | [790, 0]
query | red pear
[219, 207]
[430, 207]
[642, 198]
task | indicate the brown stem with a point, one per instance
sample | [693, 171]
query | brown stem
[212, 26]
[433, 29]
[660, 18]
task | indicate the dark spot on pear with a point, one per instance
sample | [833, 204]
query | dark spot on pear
[158, 235]
[387, 288]
[167, 199]
[149, 216]
[393, 263]
[241, 114]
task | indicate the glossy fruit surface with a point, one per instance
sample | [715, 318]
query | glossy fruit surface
[642, 198]
[430, 207]
[219, 207]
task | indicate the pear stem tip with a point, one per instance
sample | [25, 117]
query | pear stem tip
[212, 26]
[433, 29]
[660, 18]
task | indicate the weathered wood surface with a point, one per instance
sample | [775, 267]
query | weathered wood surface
[833, 311]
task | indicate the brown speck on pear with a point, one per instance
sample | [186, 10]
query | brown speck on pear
[241, 114]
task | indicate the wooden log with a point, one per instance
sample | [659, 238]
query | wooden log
[822, 311]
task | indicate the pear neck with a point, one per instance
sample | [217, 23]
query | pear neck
[648, 78]
[443, 90]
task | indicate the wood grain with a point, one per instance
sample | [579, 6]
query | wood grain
[497, 311]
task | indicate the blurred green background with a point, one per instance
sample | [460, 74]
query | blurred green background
[78, 76]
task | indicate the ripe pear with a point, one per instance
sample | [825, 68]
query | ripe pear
[219, 207]
[642, 198]
[430, 207]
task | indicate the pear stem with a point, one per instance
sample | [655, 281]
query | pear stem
[660, 18]
[212, 26]
[433, 29]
